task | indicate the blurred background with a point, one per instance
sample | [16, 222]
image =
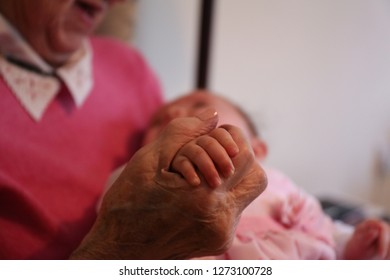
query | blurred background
[313, 74]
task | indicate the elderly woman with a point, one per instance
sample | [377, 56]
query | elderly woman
[72, 109]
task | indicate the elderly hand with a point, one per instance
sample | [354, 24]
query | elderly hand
[370, 240]
[153, 213]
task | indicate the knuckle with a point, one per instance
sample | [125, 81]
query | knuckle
[198, 152]
[179, 161]
[261, 180]
[247, 153]
[218, 132]
[206, 142]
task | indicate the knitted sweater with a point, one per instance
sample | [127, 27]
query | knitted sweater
[53, 171]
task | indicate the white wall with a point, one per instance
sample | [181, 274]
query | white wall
[166, 32]
[314, 74]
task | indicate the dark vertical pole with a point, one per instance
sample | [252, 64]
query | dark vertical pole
[204, 44]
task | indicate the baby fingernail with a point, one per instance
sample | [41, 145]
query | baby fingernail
[207, 114]
[230, 171]
[195, 181]
[217, 181]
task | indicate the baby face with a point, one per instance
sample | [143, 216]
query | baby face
[192, 105]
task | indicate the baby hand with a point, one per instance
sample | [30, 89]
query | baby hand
[370, 240]
[209, 154]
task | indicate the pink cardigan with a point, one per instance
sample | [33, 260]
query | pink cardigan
[52, 172]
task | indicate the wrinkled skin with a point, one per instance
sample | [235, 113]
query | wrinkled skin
[153, 213]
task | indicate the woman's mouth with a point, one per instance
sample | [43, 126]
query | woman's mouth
[90, 11]
[91, 8]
